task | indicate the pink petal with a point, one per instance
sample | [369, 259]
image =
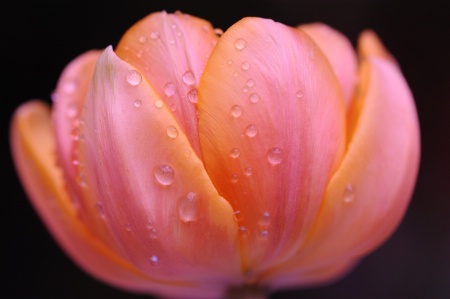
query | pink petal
[33, 147]
[368, 195]
[271, 130]
[339, 52]
[171, 50]
[148, 194]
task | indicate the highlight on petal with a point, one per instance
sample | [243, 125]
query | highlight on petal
[339, 52]
[159, 210]
[370, 45]
[34, 152]
[368, 195]
[171, 50]
[271, 123]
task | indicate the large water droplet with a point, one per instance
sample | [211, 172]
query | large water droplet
[240, 44]
[154, 260]
[349, 193]
[235, 153]
[236, 111]
[245, 66]
[164, 174]
[254, 98]
[137, 103]
[248, 171]
[172, 132]
[134, 77]
[299, 94]
[193, 96]
[187, 207]
[274, 155]
[251, 131]
[250, 82]
[170, 89]
[189, 78]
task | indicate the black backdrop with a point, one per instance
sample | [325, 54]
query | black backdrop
[39, 38]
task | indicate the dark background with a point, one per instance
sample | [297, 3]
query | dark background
[39, 38]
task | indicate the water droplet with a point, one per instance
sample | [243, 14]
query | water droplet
[349, 193]
[230, 62]
[238, 216]
[137, 103]
[173, 107]
[154, 260]
[164, 174]
[70, 87]
[254, 98]
[239, 44]
[100, 209]
[264, 234]
[74, 134]
[245, 66]
[193, 96]
[248, 171]
[170, 89]
[235, 74]
[250, 82]
[234, 178]
[172, 42]
[218, 31]
[142, 39]
[153, 233]
[236, 111]
[139, 53]
[274, 155]
[187, 207]
[243, 231]
[134, 77]
[264, 219]
[189, 78]
[128, 227]
[154, 35]
[235, 153]
[299, 94]
[251, 131]
[172, 132]
[245, 89]
[159, 104]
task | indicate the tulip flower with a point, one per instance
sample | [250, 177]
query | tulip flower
[192, 165]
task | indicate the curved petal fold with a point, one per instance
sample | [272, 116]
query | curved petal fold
[147, 192]
[34, 152]
[171, 50]
[368, 195]
[339, 52]
[271, 124]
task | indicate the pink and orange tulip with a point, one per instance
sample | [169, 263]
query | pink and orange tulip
[186, 164]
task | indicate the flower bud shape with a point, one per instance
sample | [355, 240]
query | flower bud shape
[191, 165]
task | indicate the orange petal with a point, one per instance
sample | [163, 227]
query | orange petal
[147, 188]
[33, 148]
[271, 123]
[171, 50]
[370, 45]
[368, 195]
[339, 52]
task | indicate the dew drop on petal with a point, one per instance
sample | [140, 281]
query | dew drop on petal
[245, 66]
[243, 231]
[100, 209]
[189, 78]
[128, 227]
[170, 89]
[234, 178]
[254, 98]
[238, 216]
[154, 35]
[153, 233]
[251, 131]
[142, 39]
[188, 207]
[245, 89]
[240, 44]
[250, 82]
[137, 103]
[134, 77]
[264, 219]
[72, 110]
[159, 104]
[172, 132]
[264, 234]
[235, 153]
[164, 174]
[154, 260]
[274, 155]
[236, 111]
[248, 171]
[349, 193]
[70, 87]
[299, 94]
[193, 96]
